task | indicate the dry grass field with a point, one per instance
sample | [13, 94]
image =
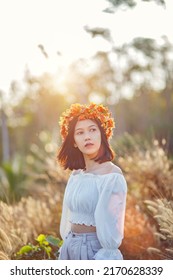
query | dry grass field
[149, 212]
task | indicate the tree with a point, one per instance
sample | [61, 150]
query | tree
[115, 4]
[4, 132]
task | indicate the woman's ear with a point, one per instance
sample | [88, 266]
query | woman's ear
[75, 145]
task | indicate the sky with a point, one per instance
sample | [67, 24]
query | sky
[58, 25]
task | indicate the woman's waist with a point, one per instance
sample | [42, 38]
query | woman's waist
[82, 228]
[82, 218]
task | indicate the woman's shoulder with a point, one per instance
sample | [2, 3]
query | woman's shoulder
[115, 180]
[115, 169]
[75, 172]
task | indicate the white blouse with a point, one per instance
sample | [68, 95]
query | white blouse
[97, 200]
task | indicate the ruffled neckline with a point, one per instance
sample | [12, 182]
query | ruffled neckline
[83, 173]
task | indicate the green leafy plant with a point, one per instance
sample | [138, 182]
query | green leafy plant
[13, 179]
[46, 247]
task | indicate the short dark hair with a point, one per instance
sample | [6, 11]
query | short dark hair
[72, 158]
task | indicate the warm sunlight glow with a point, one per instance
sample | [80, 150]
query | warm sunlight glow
[96, 98]
[44, 36]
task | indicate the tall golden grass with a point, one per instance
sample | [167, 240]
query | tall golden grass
[149, 175]
[162, 211]
[23, 222]
[149, 209]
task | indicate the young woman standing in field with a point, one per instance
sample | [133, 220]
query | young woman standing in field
[92, 221]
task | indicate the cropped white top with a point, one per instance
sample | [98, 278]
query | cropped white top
[97, 200]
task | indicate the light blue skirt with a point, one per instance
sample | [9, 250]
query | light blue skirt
[79, 246]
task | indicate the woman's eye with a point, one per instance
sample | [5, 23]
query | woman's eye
[81, 132]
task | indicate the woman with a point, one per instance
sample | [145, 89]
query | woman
[92, 221]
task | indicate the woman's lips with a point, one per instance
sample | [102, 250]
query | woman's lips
[88, 145]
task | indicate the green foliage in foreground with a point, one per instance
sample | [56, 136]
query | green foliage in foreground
[13, 177]
[46, 248]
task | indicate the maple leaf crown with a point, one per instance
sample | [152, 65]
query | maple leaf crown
[83, 112]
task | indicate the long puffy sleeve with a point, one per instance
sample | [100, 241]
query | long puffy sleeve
[109, 217]
[65, 224]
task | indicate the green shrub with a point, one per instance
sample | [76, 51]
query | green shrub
[46, 247]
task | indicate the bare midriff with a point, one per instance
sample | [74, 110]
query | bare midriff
[82, 228]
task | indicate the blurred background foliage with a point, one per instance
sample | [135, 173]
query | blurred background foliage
[32, 183]
[143, 68]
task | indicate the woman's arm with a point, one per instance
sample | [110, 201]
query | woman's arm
[109, 216]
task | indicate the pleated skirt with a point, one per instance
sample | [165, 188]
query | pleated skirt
[79, 246]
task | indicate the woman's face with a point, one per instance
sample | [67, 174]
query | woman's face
[87, 137]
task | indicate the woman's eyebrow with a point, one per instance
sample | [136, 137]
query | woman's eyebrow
[80, 128]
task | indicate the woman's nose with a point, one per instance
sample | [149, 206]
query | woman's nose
[87, 137]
